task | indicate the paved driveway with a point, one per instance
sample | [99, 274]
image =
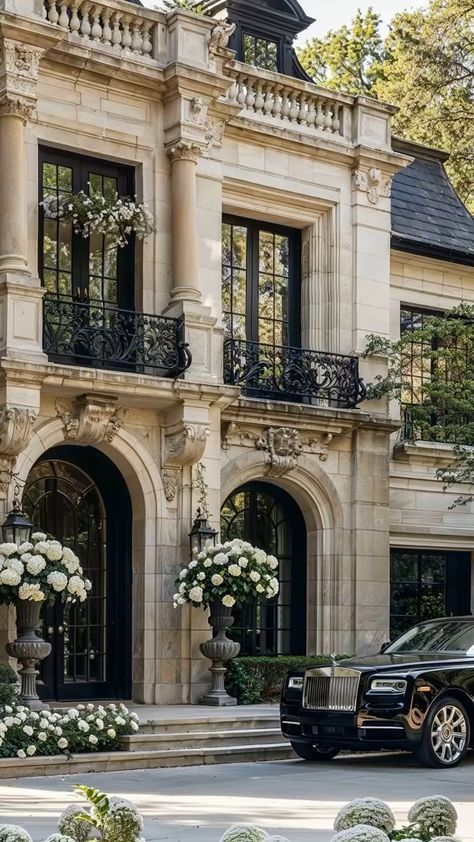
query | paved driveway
[296, 799]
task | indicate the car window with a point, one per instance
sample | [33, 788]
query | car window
[448, 636]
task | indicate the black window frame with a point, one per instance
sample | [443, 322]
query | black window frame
[257, 35]
[254, 227]
[80, 166]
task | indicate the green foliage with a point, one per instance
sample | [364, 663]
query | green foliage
[429, 73]
[425, 66]
[9, 694]
[260, 678]
[431, 370]
[97, 799]
[348, 59]
[7, 674]
[190, 5]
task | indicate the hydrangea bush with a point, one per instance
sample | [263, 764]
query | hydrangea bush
[41, 570]
[116, 216]
[230, 573]
[85, 728]
[432, 819]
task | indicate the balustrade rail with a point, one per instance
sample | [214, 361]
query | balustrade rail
[101, 335]
[289, 101]
[127, 33]
[293, 374]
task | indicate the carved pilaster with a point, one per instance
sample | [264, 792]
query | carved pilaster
[373, 182]
[183, 445]
[16, 430]
[19, 68]
[90, 419]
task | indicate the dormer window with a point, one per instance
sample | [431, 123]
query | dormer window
[260, 52]
[264, 32]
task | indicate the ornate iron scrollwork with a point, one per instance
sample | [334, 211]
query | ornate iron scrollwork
[293, 374]
[99, 334]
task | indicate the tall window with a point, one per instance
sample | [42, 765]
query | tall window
[425, 584]
[260, 52]
[267, 517]
[92, 268]
[261, 282]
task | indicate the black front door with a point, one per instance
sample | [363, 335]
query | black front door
[78, 496]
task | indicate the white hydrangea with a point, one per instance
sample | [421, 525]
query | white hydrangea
[228, 601]
[435, 815]
[8, 548]
[26, 547]
[183, 574]
[243, 562]
[57, 580]
[254, 575]
[122, 821]
[260, 589]
[365, 811]
[207, 562]
[59, 837]
[217, 579]
[41, 547]
[201, 576]
[244, 833]
[221, 558]
[31, 750]
[192, 564]
[29, 591]
[75, 585]
[14, 833]
[39, 536]
[70, 823]
[93, 739]
[16, 565]
[35, 564]
[196, 594]
[235, 570]
[72, 566]
[54, 552]
[83, 726]
[361, 833]
[9, 577]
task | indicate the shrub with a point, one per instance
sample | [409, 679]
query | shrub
[9, 685]
[260, 679]
[434, 816]
[361, 833]
[365, 811]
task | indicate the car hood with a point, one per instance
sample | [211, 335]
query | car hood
[394, 662]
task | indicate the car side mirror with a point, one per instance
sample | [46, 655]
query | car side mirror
[384, 646]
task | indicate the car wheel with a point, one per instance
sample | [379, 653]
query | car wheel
[446, 734]
[314, 753]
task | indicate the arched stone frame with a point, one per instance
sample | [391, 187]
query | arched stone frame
[143, 480]
[330, 607]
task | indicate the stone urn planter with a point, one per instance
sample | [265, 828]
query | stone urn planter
[219, 650]
[29, 648]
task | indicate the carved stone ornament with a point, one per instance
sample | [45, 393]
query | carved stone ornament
[185, 150]
[214, 133]
[374, 183]
[170, 478]
[90, 419]
[219, 37]
[19, 68]
[283, 447]
[185, 446]
[16, 430]
[282, 444]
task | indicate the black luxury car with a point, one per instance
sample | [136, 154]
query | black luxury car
[417, 695]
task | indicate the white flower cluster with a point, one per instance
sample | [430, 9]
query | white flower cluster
[368, 820]
[249, 833]
[84, 728]
[229, 573]
[434, 816]
[13, 833]
[92, 212]
[365, 811]
[39, 570]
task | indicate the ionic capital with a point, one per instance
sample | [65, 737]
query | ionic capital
[184, 150]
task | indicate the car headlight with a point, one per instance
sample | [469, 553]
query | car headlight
[295, 682]
[395, 686]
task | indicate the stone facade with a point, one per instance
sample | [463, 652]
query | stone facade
[164, 95]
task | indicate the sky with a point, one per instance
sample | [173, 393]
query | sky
[330, 14]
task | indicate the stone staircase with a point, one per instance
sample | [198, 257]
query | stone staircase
[191, 736]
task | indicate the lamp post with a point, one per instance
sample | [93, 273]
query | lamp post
[201, 533]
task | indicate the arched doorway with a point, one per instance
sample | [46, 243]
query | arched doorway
[79, 496]
[268, 517]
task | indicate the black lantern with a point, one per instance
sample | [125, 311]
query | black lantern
[16, 528]
[201, 533]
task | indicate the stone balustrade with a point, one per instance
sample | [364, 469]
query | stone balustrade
[123, 28]
[291, 102]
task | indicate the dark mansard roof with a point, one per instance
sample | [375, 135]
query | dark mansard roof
[428, 217]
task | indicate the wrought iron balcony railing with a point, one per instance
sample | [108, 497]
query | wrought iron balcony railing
[293, 374]
[436, 425]
[97, 334]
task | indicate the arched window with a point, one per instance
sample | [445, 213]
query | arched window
[269, 518]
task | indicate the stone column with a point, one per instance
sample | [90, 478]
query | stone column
[184, 157]
[13, 242]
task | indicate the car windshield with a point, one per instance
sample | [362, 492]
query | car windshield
[447, 636]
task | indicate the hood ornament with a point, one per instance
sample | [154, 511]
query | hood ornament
[333, 662]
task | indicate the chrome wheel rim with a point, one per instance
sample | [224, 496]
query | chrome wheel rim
[449, 734]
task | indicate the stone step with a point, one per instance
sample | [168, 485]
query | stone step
[117, 761]
[202, 739]
[231, 722]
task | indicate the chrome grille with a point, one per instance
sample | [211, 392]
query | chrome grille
[331, 689]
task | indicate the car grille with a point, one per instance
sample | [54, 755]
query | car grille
[331, 689]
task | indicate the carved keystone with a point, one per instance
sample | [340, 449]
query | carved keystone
[90, 419]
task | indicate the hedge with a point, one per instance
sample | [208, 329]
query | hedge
[260, 679]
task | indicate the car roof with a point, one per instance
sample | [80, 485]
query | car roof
[463, 617]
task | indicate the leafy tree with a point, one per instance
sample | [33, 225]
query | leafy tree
[428, 72]
[348, 59]
[172, 5]
[431, 372]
